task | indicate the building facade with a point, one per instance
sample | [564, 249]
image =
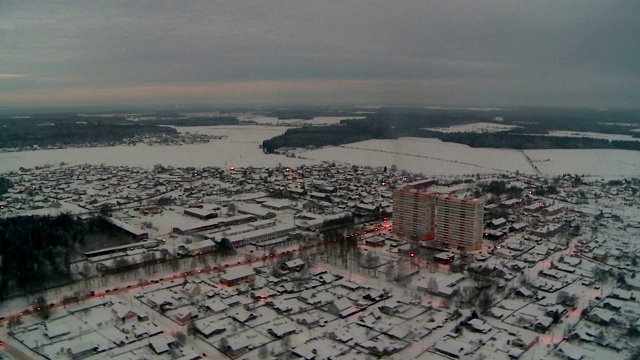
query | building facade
[459, 222]
[414, 213]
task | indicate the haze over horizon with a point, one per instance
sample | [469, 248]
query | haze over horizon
[484, 53]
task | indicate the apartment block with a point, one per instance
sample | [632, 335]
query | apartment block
[459, 222]
[414, 213]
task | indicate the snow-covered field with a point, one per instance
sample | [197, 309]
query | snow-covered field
[323, 120]
[240, 148]
[427, 156]
[479, 127]
[594, 135]
[601, 162]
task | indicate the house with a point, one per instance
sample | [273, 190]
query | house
[547, 231]
[281, 306]
[186, 315]
[216, 306]
[320, 196]
[237, 276]
[553, 210]
[375, 241]
[243, 316]
[209, 327]
[496, 224]
[122, 313]
[452, 348]
[374, 295]
[542, 324]
[160, 344]
[82, 349]
[191, 289]
[525, 293]
[303, 351]
[602, 316]
[478, 325]
[237, 347]
[350, 285]
[292, 265]
[444, 258]
[280, 330]
[623, 295]
[342, 308]
[517, 227]
[309, 319]
[383, 347]
[342, 335]
[53, 331]
[572, 352]
[201, 214]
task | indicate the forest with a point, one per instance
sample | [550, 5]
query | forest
[21, 133]
[72, 129]
[5, 185]
[532, 124]
[37, 250]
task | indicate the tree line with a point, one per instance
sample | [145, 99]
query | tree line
[5, 185]
[36, 250]
[387, 124]
[27, 134]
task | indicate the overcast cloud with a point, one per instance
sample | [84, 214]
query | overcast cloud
[487, 53]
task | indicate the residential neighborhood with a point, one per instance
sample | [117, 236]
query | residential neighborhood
[314, 263]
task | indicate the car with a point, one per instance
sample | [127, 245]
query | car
[1, 342]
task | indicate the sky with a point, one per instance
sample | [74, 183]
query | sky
[579, 53]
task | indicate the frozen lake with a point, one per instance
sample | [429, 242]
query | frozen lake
[427, 156]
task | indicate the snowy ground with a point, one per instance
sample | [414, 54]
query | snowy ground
[418, 155]
[268, 120]
[479, 127]
[596, 162]
[593, 135]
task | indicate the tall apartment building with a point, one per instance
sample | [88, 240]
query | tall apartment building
[414, 213]
[459, 222]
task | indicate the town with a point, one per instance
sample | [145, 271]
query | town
[332, 261]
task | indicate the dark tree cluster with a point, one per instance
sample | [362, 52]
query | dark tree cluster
[498, 188]
[36, 250]
[18, 134]
[5, 185]
[319, 136]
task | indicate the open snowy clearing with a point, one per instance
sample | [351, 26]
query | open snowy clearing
[600, 162]
[479, 127]
[593, 135]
